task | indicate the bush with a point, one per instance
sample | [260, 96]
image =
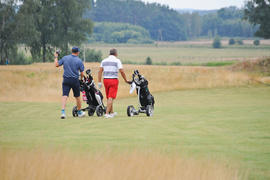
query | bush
[133, 41]
[231, 41]
[176, 64]
[92, 56]
[256, 42]
[216, 43]
[19, 58]
[148, 61]
[240, 42]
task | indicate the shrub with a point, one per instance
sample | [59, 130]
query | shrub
[19, 58]
[92, 56]
[256, 42]
[240, 42]
[231, 41]
[133, 41]
[216, 43]
[148, 61]
[176, 64]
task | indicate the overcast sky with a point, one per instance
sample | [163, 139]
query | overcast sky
[199, 4]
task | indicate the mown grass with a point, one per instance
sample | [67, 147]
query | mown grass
[184, 54]
[228, 126]
[221, 63]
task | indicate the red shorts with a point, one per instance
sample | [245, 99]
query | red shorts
[111, 87]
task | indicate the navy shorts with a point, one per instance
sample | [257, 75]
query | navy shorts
[71, 83]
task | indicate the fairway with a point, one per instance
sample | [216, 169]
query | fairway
[229, 125]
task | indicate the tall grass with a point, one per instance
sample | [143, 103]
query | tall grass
[43, 82]
[105, 165]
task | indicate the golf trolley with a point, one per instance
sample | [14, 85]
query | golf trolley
[145, 99]
[91, 95]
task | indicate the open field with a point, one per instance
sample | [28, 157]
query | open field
[195, 52]
[186, 53]
[209, 123]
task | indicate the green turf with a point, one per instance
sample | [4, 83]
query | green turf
[230, 124]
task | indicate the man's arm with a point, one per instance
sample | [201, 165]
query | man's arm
[99, 77]
[100, 74]
[82, 75]
[56, 60]
[123, 75]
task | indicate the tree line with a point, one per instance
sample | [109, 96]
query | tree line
[120, 33]
[165, 24]
[162, 22]
[44, 25]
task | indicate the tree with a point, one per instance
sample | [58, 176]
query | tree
[231, 41]
[258, 12]
[37, 27]
[216, 43]
[91, 55]
[148, 61]
[193, 21]
[109, 32]
[8, 29]
[256, 42]
[70, 26]
[53, 23]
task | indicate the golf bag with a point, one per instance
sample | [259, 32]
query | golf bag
[145, 98]
[91, 95]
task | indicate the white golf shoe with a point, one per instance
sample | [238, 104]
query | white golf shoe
[63, 116]
[81, 115]
[113, 114]
[108, 116]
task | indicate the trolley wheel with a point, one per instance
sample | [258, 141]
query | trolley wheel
[75, 111]
[130, 110]
[149, 110]
[91, 112]
[99, 110]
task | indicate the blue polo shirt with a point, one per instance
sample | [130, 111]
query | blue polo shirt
[73, 65]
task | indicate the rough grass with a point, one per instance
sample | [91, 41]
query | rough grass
[61, 165]
[259, 66]
[32, 83]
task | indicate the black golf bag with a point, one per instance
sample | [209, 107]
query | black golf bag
[91, 95]
[145, 98]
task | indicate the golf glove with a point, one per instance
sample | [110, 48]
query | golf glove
[99, 85]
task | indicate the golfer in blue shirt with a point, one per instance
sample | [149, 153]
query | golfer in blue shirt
[73, 69]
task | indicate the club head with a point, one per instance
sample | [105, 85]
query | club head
[136, 72]
[88, 71]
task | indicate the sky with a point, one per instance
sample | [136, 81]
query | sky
[199, 4]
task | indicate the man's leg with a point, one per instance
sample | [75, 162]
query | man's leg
[79, 107]
[64, 102]
[63, 105]
[109, 105]
[79, 103]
